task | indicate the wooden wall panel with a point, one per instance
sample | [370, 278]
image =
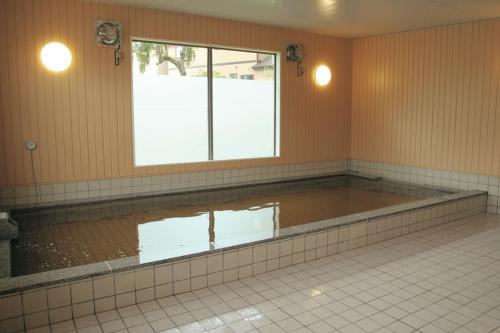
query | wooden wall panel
[81, 118]
[429, 98]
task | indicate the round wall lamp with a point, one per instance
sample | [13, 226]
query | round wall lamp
[56, 56]
[323, 75]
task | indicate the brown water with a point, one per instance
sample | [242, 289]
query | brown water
[166, 226]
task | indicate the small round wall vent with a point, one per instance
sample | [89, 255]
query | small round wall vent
[108, 34]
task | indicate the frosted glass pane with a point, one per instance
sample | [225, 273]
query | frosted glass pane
[243, 104]
[170, 105]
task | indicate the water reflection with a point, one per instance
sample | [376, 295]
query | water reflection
[179, 236]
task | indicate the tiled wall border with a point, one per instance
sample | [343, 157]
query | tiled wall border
[434, 177]
[92, 190]
[38, 307]
[104, 189]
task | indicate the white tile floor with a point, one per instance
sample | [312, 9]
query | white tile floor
[445, 279]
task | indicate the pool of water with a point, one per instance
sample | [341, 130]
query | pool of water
[166, 226]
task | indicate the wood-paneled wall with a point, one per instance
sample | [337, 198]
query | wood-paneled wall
[429, 98]
[82, 118]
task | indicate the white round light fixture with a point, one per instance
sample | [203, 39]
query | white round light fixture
[56, 56]
[323, 75]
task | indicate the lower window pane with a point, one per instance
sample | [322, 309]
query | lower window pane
[243, 104]
[170, 103]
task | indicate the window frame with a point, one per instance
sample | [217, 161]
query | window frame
[210, 48]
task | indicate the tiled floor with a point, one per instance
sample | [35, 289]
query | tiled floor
[445, 279]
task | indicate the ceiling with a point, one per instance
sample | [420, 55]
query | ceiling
[344, 18]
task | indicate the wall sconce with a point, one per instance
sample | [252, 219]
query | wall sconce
[108, 34]
[295, 52]
[323, 75]
[56, 56]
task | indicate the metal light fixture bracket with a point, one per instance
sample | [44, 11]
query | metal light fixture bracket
[295, 53]
[108, 34]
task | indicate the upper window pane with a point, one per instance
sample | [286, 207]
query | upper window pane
[243, 104]
[170, 94]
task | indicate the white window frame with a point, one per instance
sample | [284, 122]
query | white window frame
[210, 48]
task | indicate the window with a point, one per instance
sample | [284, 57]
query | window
[196, 103]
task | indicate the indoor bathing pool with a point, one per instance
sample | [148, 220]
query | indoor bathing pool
[162, 227]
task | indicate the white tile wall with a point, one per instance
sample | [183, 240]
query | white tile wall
[92, 190]
[70, 192]
[434, 177]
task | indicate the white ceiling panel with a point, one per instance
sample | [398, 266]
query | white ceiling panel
[344, 18]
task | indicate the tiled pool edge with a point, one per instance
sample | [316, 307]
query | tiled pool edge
[37, 307]
[51, 277]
